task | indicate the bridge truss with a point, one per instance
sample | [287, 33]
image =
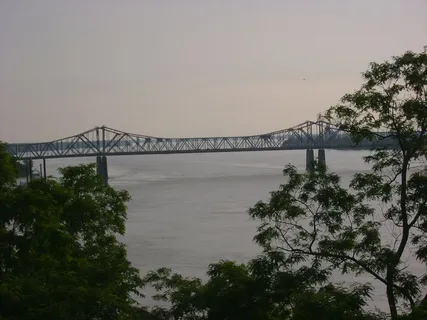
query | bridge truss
[107, 141]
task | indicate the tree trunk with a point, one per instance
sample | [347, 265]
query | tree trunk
[390, 296]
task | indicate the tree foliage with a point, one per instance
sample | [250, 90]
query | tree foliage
[317, 221]
[258, 290]
[394, 100]
[7, 168]
[59, 256]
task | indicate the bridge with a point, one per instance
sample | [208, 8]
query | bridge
[103, 141]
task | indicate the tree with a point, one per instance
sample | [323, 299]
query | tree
[7, 168]
[317, 221]
[258, 290]
[59, 256]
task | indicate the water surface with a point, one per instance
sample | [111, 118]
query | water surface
[191, 210]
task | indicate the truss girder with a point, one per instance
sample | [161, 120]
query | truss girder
[107, 141]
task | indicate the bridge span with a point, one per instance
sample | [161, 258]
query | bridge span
[103, 141]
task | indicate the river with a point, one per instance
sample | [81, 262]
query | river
[191, 210]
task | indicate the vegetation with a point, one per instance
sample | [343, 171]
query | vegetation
[393, 99]
[7, 169]
[263, 289]
[60, 259]
[59, 256]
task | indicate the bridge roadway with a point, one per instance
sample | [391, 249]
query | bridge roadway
[103, 141]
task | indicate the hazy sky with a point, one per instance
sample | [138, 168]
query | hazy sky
[189, 68]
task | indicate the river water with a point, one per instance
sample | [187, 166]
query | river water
[191, 210]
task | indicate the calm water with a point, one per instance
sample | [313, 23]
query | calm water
[191, 210]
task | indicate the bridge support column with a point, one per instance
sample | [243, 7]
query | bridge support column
[44, 169]
[102, 167]
[29, 170]
[309, 160]
[321, 157]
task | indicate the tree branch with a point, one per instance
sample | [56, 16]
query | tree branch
[345, 257]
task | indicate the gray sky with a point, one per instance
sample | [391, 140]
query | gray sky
[189, 67]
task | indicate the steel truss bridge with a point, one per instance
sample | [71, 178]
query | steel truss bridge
[105, 141]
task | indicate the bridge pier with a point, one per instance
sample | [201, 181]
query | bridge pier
[321, 155]
[102, 167]
[309, 160]
[29, 169]
[44, 169]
